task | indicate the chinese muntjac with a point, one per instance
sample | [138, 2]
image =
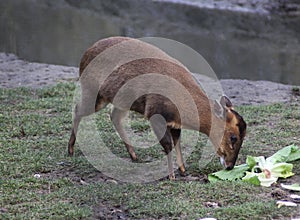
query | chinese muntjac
[135, 75]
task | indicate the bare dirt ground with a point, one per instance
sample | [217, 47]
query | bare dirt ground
[15, 72]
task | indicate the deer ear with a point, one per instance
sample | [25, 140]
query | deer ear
[223, 109]
[226, 103]
[219, 110]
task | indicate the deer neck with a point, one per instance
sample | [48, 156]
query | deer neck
[202, 118]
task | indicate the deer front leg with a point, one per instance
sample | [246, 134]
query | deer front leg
[86, 107]
[72, 140]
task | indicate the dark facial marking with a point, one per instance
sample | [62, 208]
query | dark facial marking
[241, 124]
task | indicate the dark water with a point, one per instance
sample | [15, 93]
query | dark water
[236, 44]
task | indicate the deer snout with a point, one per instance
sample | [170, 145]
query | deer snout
[227, 165]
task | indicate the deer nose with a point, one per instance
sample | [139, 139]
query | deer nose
[229, 166]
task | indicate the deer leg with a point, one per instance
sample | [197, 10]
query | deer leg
[176, 139]
[80, 112]
[164, 135]
[76, 121]
[116, 116]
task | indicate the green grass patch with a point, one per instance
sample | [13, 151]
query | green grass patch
[35, 126]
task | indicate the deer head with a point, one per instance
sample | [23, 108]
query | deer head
[232, 127]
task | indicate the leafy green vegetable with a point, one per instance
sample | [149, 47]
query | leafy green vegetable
[294, 154]
[251, 162]
[269, 172]
[261, 171]
[236, 173]
[286, 154]
[283, 170]
[251, 178]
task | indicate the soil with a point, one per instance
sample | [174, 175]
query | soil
[15, 72]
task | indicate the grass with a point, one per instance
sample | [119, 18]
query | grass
[34, 131]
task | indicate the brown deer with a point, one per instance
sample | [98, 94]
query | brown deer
[115, 63]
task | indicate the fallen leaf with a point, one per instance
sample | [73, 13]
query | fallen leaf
[285, 203]
[3, 210]
[211, 204]
[82, 182]
[294, 187]
[295, 198]
[37, 175]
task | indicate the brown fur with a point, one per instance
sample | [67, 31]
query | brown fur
[152, 104]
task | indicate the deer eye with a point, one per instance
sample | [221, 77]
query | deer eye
[233, 139]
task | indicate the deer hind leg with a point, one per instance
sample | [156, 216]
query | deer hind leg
[164, 135]
[176, 139]
[116, 116]
[79, 112]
